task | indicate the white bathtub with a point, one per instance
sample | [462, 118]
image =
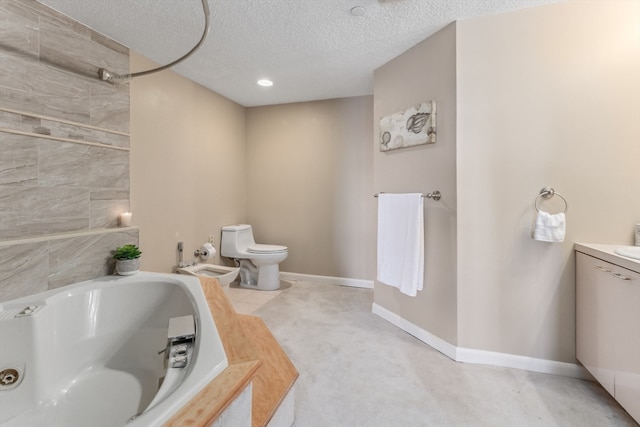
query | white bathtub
[88, 354]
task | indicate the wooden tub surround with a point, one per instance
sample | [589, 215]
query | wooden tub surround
[254, 357]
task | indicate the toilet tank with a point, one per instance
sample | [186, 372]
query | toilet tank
[235, 240]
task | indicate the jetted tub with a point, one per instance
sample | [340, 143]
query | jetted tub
[90, 354]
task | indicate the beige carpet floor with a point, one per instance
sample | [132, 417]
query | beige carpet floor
[357, 370]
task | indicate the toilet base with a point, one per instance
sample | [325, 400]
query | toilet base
[255, 287]
[264, 277]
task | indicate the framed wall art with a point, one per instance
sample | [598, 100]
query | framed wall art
[414, 126]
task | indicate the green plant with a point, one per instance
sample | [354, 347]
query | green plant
[127, 252]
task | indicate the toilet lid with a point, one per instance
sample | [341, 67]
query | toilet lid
[264, 249]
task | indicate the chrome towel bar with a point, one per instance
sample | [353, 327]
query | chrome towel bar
[435, 195]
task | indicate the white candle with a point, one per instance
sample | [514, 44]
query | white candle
[125, 219]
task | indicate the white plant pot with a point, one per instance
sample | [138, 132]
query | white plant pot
[127, 267]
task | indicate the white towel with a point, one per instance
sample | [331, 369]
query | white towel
[549, 227]
[401, 241]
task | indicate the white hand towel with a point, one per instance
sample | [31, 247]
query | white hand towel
[549, 227]
[401, 241]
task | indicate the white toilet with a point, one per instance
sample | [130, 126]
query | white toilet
[258, 263]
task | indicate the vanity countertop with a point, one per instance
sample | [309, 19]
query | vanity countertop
[605, 253]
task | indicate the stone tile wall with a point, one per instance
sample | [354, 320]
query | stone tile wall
[64, 150]
[34, 265]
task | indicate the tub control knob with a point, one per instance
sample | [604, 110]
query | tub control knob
[180, 349]
[179, 362]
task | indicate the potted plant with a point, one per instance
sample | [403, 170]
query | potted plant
[127, 260]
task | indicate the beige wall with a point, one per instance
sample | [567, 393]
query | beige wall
[299, 173]
[546, 96]
[427, 71]
[309, 184]
[187, 165]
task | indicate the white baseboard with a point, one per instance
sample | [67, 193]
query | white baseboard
[482, 357]
[437, 343]
[328, 280]
[544, 366]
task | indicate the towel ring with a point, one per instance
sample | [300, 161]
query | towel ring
[547, 193]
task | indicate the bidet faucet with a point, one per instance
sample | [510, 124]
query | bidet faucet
[196, 254]
[180, 248]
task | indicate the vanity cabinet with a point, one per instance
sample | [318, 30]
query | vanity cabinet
[608, 327]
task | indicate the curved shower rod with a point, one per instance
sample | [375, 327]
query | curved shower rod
[110, 76]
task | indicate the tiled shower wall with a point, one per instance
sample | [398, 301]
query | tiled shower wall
[64, 150]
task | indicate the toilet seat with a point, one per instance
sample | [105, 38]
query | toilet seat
[266, 249]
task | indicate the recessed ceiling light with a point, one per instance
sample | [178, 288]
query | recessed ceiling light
[358, 11]
[265, 82]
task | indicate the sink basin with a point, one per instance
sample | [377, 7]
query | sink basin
[224, 274]
[628, 251]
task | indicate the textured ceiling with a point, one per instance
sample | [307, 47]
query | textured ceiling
[311, 49]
